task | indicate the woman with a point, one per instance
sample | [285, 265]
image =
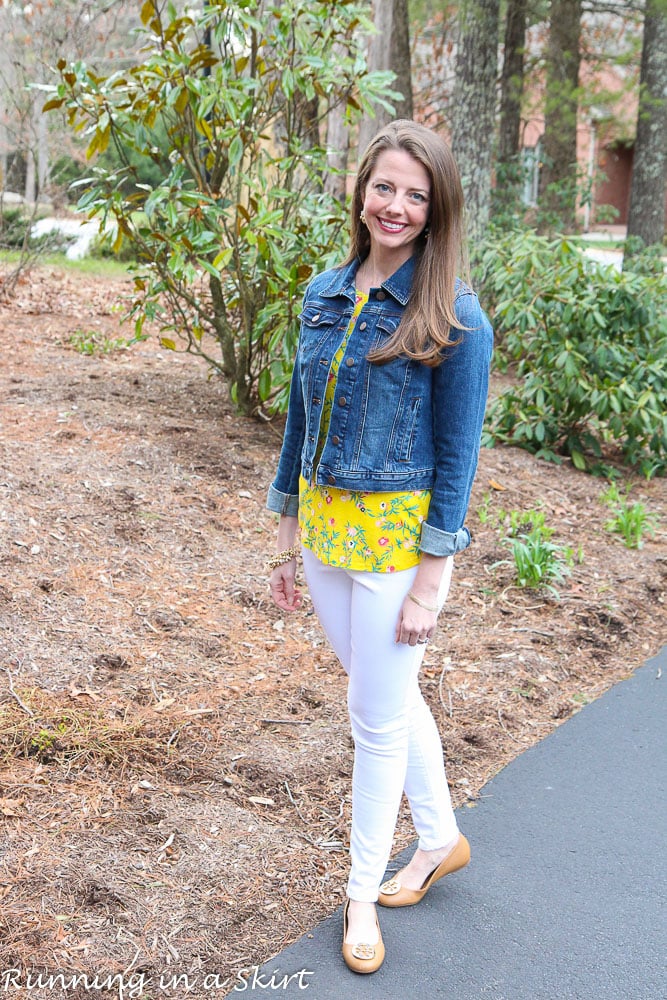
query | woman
[379, 453]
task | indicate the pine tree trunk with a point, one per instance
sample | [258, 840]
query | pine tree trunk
[646, 219]
[511, 82]
[400, 58]
[473, 107]
[389, 49]
[558, 180]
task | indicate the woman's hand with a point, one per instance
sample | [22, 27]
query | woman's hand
[418, 616]
[284, 592]
[415, 624]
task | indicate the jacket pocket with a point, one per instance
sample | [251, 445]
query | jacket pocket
[407, 428]
[385, 326]
[316, 343]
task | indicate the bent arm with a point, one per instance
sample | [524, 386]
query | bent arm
[460, 388]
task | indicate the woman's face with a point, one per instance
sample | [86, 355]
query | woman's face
[396, 202]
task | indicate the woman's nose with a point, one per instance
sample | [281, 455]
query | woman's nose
[396, 204]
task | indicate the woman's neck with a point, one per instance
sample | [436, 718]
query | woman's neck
[376, 268]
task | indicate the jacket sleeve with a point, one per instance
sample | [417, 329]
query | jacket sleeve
[460, 387]
[283, 496]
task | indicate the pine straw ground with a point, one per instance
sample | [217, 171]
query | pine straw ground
[174, 752]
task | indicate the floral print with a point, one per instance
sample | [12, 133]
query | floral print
[376, 532]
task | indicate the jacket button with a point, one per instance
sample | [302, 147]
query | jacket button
[316, 317]
[362, 326]
[349, 362]
[335, 439]
[381, 296]
[331, 480]
[342, 401]
[316, 400]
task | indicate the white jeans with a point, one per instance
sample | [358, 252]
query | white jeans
[397, 744]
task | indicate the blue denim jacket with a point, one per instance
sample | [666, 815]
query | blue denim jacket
[395, 426]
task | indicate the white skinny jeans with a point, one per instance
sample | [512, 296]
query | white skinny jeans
[397, 744]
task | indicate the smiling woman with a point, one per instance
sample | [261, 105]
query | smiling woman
[377, 463]
[395, 211]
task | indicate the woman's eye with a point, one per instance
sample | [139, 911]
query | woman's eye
[419, 197]
[382, 187]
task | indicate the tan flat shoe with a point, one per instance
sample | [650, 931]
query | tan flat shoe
[362, 957]
[392, 892]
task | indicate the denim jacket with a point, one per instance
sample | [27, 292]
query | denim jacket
[398, 426]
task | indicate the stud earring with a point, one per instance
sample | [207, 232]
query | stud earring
[362, 217]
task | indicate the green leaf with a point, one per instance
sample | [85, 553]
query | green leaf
[223, 258]
[235, 151]
[264, 385]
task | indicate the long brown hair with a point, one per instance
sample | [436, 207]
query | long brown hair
[429, 316]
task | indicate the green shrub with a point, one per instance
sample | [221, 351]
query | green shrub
[588, 347]
[13, 228]
[229, 102]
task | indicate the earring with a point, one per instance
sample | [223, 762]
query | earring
[362, 217]
[426, 230]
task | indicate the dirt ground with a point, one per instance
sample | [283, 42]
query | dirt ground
[175, 757]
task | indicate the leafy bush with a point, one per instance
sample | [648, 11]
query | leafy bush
[588, 347]
[13, 228]
[227, 237]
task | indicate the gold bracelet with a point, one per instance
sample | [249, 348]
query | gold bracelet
[423, 604]
[282, 557]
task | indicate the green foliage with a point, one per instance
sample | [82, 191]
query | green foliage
[95, 342]
[15, 233]
[588, 346]
[539, 563]
[631, 521]
[229, 105]
[13, 228]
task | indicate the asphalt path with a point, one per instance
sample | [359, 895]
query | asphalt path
[564, 898]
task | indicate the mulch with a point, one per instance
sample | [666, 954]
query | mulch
[175, 757]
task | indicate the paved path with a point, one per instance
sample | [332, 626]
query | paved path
[565, 896]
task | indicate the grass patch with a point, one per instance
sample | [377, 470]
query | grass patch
[106, 267]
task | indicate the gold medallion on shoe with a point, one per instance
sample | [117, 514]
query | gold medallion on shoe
[392, 892]
[362, 957]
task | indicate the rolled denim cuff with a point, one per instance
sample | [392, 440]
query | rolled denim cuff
[436, 542]
[286, 504]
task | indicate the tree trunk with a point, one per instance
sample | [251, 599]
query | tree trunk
[509, 175]
[30, 190]
[511, 82]
[400, 58]
[391, 22]
[338, 145]
[473, 107]
[558, 180]
[646, 219]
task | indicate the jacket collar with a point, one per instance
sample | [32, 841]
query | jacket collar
[397, 284]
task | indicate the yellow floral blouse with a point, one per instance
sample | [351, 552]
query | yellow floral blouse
[377, 532]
